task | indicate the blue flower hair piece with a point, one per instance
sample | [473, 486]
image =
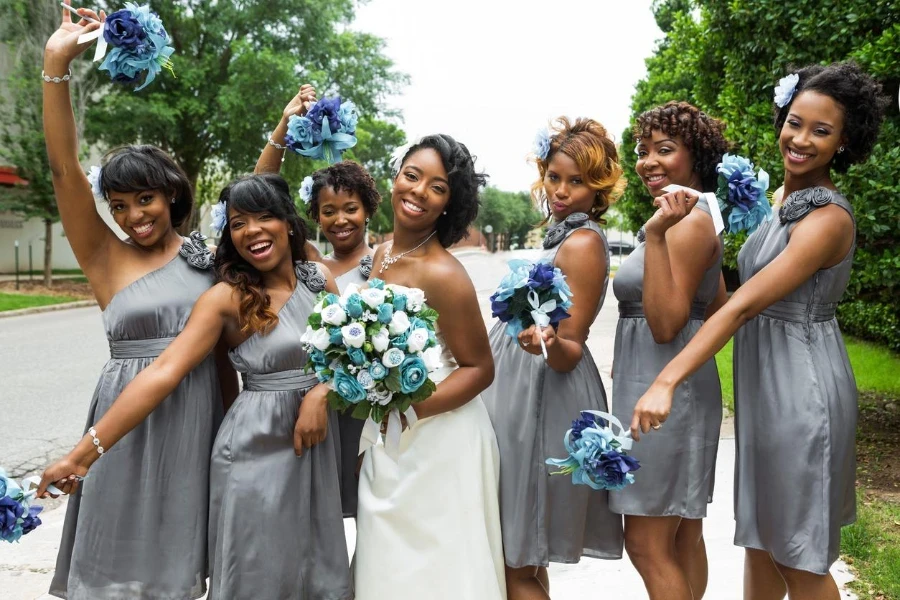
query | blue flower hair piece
[94, 179]
[306, 189]
[140, 45]
[325, 132]
[785, 89]
[742, 194]
[541, 143]
[219, 216]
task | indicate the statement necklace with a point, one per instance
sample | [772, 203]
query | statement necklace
[388, 260]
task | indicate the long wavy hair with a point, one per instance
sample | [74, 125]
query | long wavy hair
[255, 194]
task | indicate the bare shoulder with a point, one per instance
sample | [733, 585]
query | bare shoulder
[584, 244]
[825, 221]
[447, 277]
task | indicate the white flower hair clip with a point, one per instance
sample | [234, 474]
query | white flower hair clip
[399, 153]
[541, 144]
[785, 89]
[306, 187]
[219, 216]
[93, 178]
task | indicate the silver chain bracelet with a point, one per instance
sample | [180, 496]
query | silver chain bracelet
[49, 79]
[276, 144]
[93, 433]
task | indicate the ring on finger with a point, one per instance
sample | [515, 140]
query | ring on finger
[656, 426]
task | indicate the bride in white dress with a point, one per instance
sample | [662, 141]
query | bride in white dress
[428, 524]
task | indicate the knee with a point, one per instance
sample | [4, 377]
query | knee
[644, 550]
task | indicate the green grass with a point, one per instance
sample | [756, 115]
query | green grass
[23, 273]
[723, 361]
[18, 301]
[872, 546]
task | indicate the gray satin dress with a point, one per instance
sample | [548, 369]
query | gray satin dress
[795, 405]
[678, 461]
[547, 518]
[275, 526]
[137, 526]
[350, 428]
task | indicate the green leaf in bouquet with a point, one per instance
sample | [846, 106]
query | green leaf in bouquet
[378, 412]
[392, 381]
[361, 410]
[722, 192]
[315, 320]
[336, 401]
[367, 347]
[429, 314]
[424, 391]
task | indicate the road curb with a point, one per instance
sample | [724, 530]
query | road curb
[49, 308]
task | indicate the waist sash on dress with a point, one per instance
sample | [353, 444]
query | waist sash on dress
[149, 348]
[635, 310]
[279, 381]
[801, 312]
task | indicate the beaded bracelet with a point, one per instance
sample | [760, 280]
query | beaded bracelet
[49, 79]
[93, 433]
[276, 144]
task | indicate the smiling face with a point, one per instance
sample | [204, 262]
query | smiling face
[663, 160]
[421, 190]
[342, 218]
[144, 216]
[811, 135]
[260, 238]
[565, 187]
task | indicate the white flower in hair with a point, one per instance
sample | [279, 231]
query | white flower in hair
[398, 155]
[94, 179]
[785, 89]
[219, 217]
[541, 144]
[306, 187]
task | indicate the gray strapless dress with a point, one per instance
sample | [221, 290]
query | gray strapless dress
[275, 525]
[532, 406]
[137, 526]
[796, 407]
[350, 428]
[678, 462]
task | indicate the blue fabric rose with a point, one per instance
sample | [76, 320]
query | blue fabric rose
[399, 302]
[31, 521]
[335, 336]
[300, 132]
[123, 30]
[348, 117]
[412, 374]
[499, 310]
[615, 469]
[357, 356]
[385, 313]
[541, 276]
[326, 108]
[324, 375]
[10, 512]
[318, 358]
[347, 386]
[376, 283]
[354, 306]
[584, 421]
[740, 219]
[377, 370]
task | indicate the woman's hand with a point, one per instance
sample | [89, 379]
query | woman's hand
[673, 207]
[301, 103]
[312, 421]
[652, 410]
[63, 46]
[530, 339]
[65, 474]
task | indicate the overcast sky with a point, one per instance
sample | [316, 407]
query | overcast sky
[491, 72]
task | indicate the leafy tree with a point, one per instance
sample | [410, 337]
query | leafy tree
[511, 216]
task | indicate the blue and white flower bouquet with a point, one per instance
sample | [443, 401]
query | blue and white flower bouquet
[597, 456]
[18, 516]
[742, 194]
[375, 347]
[532, 293]
[325, 131]
[140, 44]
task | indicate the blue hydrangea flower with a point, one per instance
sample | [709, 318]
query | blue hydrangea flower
[541, 143]
[785, 89]
[306, 187]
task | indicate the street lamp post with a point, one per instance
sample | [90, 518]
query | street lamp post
[17, 264]
[487, 230]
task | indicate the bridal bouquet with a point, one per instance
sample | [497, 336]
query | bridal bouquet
[140, 44]
[597, 456]
[742, 194]
[375, 347]
[325, 131]
[531, 294]
[17, 515]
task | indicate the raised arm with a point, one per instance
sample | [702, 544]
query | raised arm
[87, 233]
[820, 241]
[152, 385]
[271, 158]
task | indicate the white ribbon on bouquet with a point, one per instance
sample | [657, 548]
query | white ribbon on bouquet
[540, 315]
[624, 435]
[97, 34]
[371, 432]
[711, 200]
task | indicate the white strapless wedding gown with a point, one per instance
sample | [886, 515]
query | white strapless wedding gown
[428, 525]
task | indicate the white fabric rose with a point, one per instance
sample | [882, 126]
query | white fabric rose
[417, 340]
[373, 297]
[352, 288]
[318, 307]
[415, 298]
[392, 358]
[365, 379]
[354, 335]
[381, 340]
[333, 314]
[320, 339]
[399, 323]
[432, 358]
[379, 395]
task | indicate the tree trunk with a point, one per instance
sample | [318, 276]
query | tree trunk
[192, 223]
[48, 253]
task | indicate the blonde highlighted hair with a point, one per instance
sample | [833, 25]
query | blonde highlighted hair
[588, 144]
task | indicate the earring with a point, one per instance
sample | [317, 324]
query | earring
[173, 200]
[841, 149]
[291, 232]
[367, 220]
[445, 212]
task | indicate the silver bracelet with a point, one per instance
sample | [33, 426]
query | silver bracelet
[49, 79]
[276, 144]
[93, 433]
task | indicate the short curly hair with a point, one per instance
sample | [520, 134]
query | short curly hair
[465, 186]
[141, 168]
[588, 144]
[702, 134]
[857, 93]
[347, 176]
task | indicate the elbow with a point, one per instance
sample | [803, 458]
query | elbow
[664, 333]
[487, 375]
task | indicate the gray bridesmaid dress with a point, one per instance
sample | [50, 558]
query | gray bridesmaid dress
[350, 428]
[275, 524]
[546, 518]
[795, 405]
[678, 461]
[137, 526]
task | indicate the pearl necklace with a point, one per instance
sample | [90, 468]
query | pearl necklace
[388, 260]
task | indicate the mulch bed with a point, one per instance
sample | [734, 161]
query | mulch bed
[61, 287]
[878, 445]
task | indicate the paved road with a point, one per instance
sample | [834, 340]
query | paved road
[48, 368]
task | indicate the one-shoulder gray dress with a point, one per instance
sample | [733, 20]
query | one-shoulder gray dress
[678, 462]
[275, 524]
[795, 405]
[137, 526]
[350, 428]
[546, 518]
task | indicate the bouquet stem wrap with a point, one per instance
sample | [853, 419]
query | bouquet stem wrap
[714, 210]
[371, 432]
